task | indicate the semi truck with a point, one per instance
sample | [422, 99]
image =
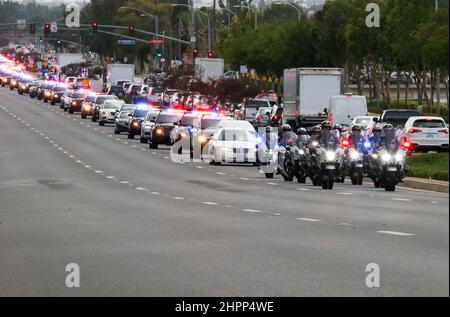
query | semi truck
[207, 69]
[307, 92]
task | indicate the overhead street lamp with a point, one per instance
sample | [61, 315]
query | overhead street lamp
[292, 5]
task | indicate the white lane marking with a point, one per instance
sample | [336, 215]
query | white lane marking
[400, 199]
[309, 219]
[251, 210]
[243, 178]
[178, 198]
[124, 182]
[141, 188]
[200, 167]
[209, 203]
[98, 172]
[220, 173]
[304, 189]
[155, 193]
[110, 177]
[87, 166]
[395, 233]
[273, 184]
[166, 157]
[277, 214]
[344, 194]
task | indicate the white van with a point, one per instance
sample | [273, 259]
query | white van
[343, 109]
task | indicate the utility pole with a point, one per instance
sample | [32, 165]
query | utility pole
[214, 23]
[438, 76]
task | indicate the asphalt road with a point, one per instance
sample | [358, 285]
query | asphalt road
[138, 224]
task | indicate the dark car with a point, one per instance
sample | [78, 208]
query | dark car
[14, 82]
[76, 101]
[160, 132]
[45, 91]
[34, 88]
[56, 94]
[24, 85]
[135, 123]
[398, 117]
[115, 90]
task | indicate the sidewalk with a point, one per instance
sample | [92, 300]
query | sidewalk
[426, 184]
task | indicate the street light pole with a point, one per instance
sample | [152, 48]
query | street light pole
[145, 13]
[438, 76]
[291, 4]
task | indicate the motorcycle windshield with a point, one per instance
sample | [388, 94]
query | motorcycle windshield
[389, 140]
[302, 141]
[330, 139]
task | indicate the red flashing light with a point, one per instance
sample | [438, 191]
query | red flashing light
[345, 143]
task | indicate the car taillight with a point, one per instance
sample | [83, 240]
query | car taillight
[445, 131]
[260, 117]
[414, 130]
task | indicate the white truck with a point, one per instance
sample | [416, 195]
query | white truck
[344, 108]
[65, 59]
[119, 72]
[207, 69]
[307, 92]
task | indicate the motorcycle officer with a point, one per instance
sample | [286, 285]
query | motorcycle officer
[329, 138]
[287, 136]
[302, 138]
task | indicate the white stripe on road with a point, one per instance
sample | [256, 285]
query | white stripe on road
[309, 219]
[251, 210]
[209, 203]
[401, 199]
[395, 233]
[344, 194]
[304, 189]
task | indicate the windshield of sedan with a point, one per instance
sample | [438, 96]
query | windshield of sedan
[238, 135]
[140, 113]
[187, 121]
[112, 104]
[168, 118]
[207, 123]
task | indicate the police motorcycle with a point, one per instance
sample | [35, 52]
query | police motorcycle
[353, 158]
[326, 162]
[390, 159]
[287, 154]
[370, 155]
[267, 149]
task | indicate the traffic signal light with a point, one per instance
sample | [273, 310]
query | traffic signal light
[195, 53]
[159, 52]
[131, 30]
[210, 54]
[46, 29]
[32, 28]
[94, 27]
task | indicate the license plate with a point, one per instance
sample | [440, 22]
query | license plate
[359, 165]
[392, 169]
[330, 167]
[429, 136]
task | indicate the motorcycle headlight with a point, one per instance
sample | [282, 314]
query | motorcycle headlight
[315, 143]
[354, 155]
[386, 157]
[202, 139]
[374, 156]
[301, 152]
[399, 157]
[330, 155]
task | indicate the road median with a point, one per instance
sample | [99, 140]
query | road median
[426, 184]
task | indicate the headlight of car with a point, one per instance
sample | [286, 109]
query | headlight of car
[330, 155]
[135, 124]
[159, 131]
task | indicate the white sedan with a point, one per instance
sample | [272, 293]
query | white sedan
[427, 134]
[233, 145]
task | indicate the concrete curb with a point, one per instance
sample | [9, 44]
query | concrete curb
[426, 184]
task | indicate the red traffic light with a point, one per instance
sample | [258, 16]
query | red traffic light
[46, 26]
[131, 30]
[210, 54]
[94, 24]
